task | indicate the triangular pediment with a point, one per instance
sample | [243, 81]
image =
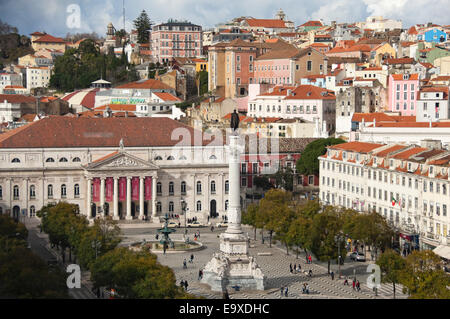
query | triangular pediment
[120, 160]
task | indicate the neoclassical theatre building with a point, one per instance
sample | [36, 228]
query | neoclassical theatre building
[121, 167]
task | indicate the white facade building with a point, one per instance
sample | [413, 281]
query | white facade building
[407, 184]
[307, 102]
[122, 167]
[9, 79]
[38, 77]
[433, 104]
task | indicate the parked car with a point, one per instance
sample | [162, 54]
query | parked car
[357, 256]
[195, 224]
[222, 224]
[170, 224]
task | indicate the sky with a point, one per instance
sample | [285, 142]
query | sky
[58, 17]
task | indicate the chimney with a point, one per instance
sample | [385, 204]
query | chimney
[289, 92]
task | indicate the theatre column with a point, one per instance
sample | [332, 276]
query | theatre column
[88, 197]
[129, 198]
[141, 197]
[116, 198]
[155, 219]
[102, 195]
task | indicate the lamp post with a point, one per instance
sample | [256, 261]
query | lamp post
[337, 239]
[184, 208]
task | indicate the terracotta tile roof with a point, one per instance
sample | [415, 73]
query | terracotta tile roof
[441, 78]
[443, 89]
[49, 39]
[28, 117]
[361, 147]
[150, 84]
[441, 161]
[117, 107]
[312, 23]
[37, 33]
[427, 65]
[14, 87]
[399, 61]
[412, 30]
[285, 145]
[408, 153]
[407, 43]
[167, 96]
[369, 117]
[64, 132]
[17, 98]
[399, 77]
[279, 54]
[311, 92]
[318, 44]
[266, 23]
[413, 124]
[391, 149]
[278, 90]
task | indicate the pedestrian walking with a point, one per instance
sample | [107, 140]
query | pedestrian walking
[310, 259]
[358, 286]
[354, 284]
[295, 268]
[310, 273]
[182, 283]
[192, 258]
[281, 291]
[290, 268]
[184, 264]
[212, 228]
[200, 274]
[286, 292]
[299, 268]
[186, 285]
[332, 275]
[346, 281]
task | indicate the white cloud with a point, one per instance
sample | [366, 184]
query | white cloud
[50, 15]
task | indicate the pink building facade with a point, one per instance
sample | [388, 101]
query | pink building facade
[274, 71]
[403, 90]
[175, 39]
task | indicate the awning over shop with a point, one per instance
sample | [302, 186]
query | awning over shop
[443, 251]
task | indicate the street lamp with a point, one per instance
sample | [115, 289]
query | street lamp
[184, 208]
[337, 239]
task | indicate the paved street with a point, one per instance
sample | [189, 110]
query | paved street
[275, 267]
[39, 244]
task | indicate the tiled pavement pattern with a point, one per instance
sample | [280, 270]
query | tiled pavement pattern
[276, 268]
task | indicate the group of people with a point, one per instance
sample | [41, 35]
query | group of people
[193, 219]
[355, 284]
[297, 269]
[197, 235]
[184, 284]
[172, 216]
[305, 289]
[191, 260]
[284, 290]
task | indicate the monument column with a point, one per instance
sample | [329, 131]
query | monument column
[141, 197]
[129, 198]
[116, 198]
[234, 198]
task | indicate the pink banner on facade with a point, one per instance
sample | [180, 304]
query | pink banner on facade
[135, 188]
[96, 190]
[122, 188]
[109, 188]
[148, 188]
[250, 181]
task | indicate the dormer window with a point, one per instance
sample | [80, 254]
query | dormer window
[391, 163]
[357, 157]
[344, 155]
[409, 166]
[431, 169]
